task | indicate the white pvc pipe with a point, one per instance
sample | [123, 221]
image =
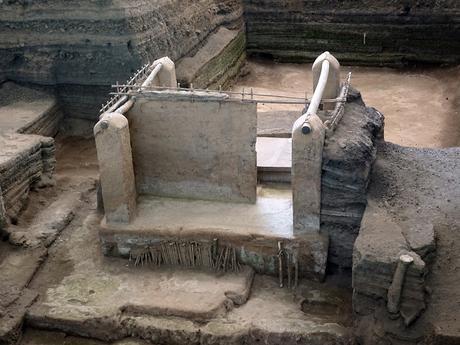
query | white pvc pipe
[151, 76]
[125, 107]
[114, 106]
[317, 95]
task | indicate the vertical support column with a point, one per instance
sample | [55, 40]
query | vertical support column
[167, 74]
[308, 135]
[116, 168]
[307, 159]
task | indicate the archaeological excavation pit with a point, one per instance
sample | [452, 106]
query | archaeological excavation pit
[229, 172]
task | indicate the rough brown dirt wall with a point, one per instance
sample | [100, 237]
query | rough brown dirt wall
[376, 32]
[87, 45]
[348, 157]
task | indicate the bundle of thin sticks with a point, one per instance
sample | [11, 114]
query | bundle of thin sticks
[288, 266]
[189, 254]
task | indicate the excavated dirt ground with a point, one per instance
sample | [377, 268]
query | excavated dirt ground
[421, 107]
[402, 96]
[76, 280]
[422, 186]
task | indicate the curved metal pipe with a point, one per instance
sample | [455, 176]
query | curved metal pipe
[317, 95]
[151, 76]
[115, 106]
[126, 107]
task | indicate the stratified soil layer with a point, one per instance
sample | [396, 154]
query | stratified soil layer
[378, 32]
[85, 46]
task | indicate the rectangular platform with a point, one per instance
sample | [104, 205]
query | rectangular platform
[254, 230]
[274, 159]
[29, 111]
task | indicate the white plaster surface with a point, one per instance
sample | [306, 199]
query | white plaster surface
[270, 216]
[332, 88]
[274, 153]
[116, 167]
[307, 158]
[167, 75]
[194, 147]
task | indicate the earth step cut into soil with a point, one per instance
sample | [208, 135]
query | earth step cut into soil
[28, 116]
[26, 161]
[25, 256]
[411, 211]
[106, 299]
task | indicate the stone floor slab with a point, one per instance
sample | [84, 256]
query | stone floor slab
[270, 216]
[255, 231]
[274, 153]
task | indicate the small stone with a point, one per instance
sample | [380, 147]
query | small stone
[421, 238]
[410, 314]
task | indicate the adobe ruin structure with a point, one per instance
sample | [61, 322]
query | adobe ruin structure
[195, 208]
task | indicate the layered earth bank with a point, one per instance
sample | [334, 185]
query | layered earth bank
[83, 47]
[376, 32]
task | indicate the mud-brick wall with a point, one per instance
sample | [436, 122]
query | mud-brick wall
[213, 157]
[356, 31]
[84, 46]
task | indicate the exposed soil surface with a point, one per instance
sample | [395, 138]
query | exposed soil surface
[419, 186]
[75, 177]
[76, 171]
[421, 107]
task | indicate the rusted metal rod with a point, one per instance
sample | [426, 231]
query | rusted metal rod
[253, 93]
